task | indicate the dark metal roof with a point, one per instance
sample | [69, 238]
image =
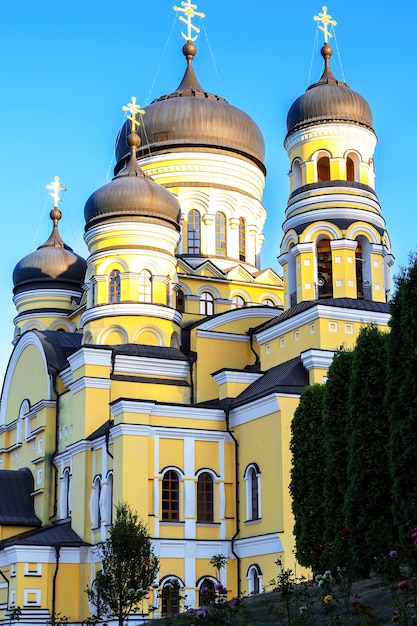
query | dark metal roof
[60, 534]
[52, 266]
[344, 303]
[328, 100]
[16, 501]
[101, 431]
[132, 194]
[154, 352]
[289, 377]
[191, 118]
[58, 346]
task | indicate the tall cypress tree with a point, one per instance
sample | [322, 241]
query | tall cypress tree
[307, 475]
[401, 400]
[367, 502]
[335, 434]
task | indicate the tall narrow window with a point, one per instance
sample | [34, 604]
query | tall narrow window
[95, 503]
[350, 169]
[324, 269]
[242, 239]
[220, 234]
[170, 598]
[65, 499]
[145, 286]
[206, 593]
[114, 286]
[180, 301]
[323, 169]
[206, 303]
[254, 494]
[205, 498]
[194, 232]
[252, 478]
[170, 497]
[255, 578]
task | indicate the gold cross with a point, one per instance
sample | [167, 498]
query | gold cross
[133, 109]
[55, 187]
[325, 19]
[190, 11]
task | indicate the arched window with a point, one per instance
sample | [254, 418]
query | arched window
[170, 497]
[95, 503]
[180, 301]
[109, 499]
[170, 597]
[145, 286]
[238, 302]
[254, 577]
[296, 172]
[206, 303]
[253, 501]
[242, 239]
[350, 169]
[323, 169]
[220, 234]
[114, 286]
[194, 232]
[268, 302]
[206, 592]
[65, 496]
[205, 498]
[324, 269]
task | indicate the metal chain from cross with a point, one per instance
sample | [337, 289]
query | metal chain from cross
[189, 10]
[325, 19]
[134, 109]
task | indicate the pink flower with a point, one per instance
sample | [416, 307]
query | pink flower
[403, 584]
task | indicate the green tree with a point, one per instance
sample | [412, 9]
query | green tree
[368, 502]
[307, 475]
[128, 567]
[335, 437]
[401, 400]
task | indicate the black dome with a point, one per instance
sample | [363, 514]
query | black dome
[52, 266]
[190, 118]
[328, 100]
[133, 195]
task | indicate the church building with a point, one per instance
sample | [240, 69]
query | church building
[164, 370]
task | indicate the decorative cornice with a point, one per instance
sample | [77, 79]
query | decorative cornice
[88, 382]
[138, 310]
[251, 547]
[231, 376]
[310, 215]
[343, 244]
[321, 359]
[90, 356]
[320, 131]
[318, 312]
[147, 366]
[254, 410]
[138, 407]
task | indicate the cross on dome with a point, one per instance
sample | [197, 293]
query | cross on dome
[54, 188]
[325, 19]
[133, 109]
[189, 10]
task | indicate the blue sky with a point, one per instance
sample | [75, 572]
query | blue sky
[68, 68]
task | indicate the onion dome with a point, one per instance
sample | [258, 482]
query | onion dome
[52, 266]
[132, 195]
[328, 100]
[192, 119]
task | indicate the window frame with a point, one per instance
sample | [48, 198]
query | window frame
[170, 502]
[114, 290]
[205, 498]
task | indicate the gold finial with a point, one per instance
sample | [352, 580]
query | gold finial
[54, 188]
[325, 19]
[133, 109]
[190, 11]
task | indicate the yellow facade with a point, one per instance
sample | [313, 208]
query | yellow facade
[168, 375]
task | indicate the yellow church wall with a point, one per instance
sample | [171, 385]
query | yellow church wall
[131, 467]
[206, 455]
[171, 453]
[344, 273]
[146, 390]
[33, 387]
[81, 494]
[122, 329]
[82, 413]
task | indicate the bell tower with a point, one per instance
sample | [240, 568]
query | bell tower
[335, 244]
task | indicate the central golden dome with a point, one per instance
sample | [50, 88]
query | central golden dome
[192, 119]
